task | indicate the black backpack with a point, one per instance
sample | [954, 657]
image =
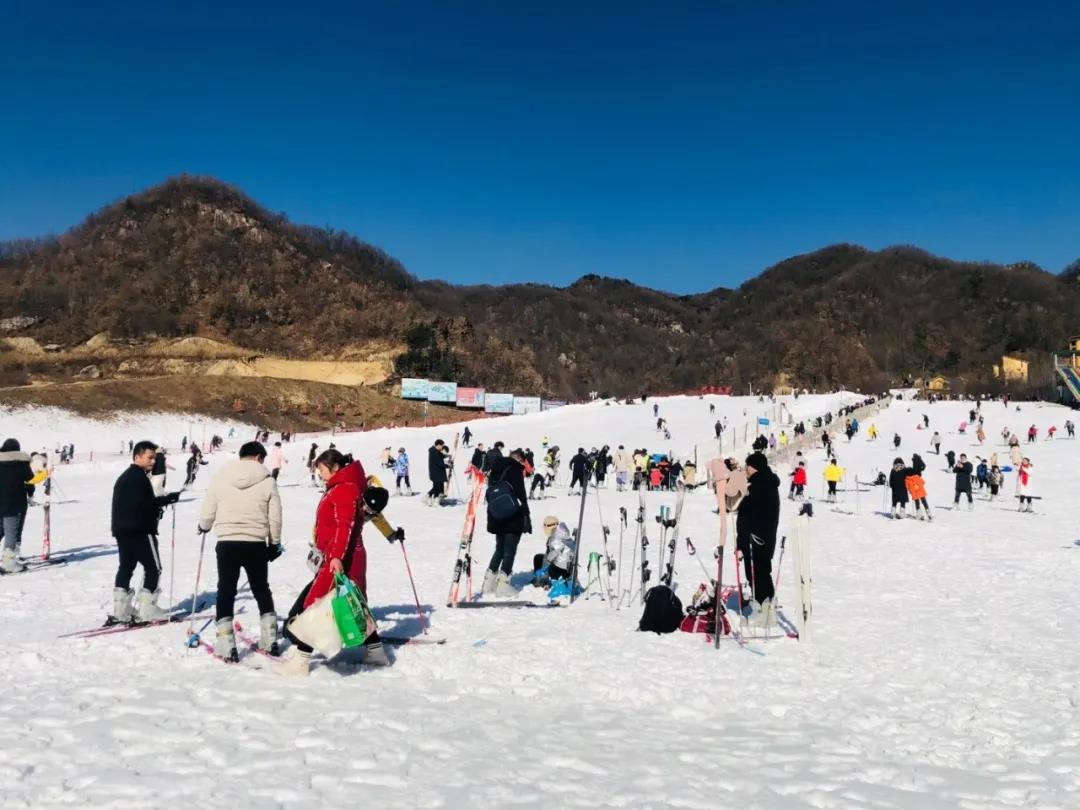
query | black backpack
[663, 610]
[502, 503]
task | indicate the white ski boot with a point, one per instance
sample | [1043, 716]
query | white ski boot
[9, 563]
[375, 655]
[121, 607]
[225, 641]
[146, 608]
[488, 588]
[763, 613]
[503, 588]
[268, 633]
[295, 664]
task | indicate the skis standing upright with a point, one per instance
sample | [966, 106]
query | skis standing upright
[673, 542]
[577, 536]
[645, 573]
[463, 564]
[800, 553]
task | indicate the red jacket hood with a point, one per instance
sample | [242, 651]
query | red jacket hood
[349, 474]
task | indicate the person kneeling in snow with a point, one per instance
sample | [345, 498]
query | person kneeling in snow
[558, 559]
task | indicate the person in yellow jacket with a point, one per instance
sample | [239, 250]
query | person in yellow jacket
[872, 431]
[833, 475]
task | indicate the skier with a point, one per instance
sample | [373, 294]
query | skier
[15, 494]
[916, 488]
[243, 508]
[579, 469]
[558, 557]
[277, 459]
[995, 480]
[963, 470]
[935, 442]
[656, 410]
[982, 473]
[158, 473]
[312, 453]
[755, 526]
[466, 437]
[950, 458]
[600, 466]
[833, 475]
[183, 444]
[477, 460]
[1050, 433]
[624, 464]
[1024, 487]
[896, 441]
[193, 462]
[897, 483]
[798, 482]
[1033, 433]
[401, 471]
[1070, 429]
[925, 421]
[436, 472]
[135, 515]
[507, 529]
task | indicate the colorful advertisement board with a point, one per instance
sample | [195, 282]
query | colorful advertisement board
[442, 392]
[526, 405]
[498, 403]
[413, 389]
[470, 397]
[551, 404]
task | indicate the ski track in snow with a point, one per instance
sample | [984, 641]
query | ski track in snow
[942, 673]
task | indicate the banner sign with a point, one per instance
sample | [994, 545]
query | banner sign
[763, 421]
[442, 392]
[551, 404]
[526, 405]
[470, 397]
[413, 389]
[499, 403]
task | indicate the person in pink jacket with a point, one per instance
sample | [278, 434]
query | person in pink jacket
[276, 459]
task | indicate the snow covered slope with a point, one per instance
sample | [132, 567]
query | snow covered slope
[942, 673]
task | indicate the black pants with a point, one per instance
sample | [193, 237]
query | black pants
[232, 556]
[506, 546]
[537, 483]
[963, 491]
[297, 609]
[138, 549]
[993, 490]
[437, 488]
[757, 565]
[405, 478]
[274, 472]
[554, 572]
[577, 478]
[832, 487]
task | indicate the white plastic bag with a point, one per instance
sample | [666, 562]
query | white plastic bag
[316, 627]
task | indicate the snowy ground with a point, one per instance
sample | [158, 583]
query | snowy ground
[942, 673]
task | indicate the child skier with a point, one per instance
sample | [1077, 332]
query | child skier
[798, 481]
[916, 488]
[1024, 486]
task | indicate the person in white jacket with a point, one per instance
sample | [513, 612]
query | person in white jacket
[243, 508]
[559, 557]
[624, 465]
[277, 460]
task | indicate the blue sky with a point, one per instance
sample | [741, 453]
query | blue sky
[681, 145]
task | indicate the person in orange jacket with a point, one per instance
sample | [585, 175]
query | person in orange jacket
[916, 488]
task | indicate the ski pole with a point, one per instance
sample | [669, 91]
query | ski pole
[198, 576]
[172, 558]
[692, 551]
[622, 528]
[779, 569]
[408, 569]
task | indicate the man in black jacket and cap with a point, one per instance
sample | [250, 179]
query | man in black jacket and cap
[15, 493]
[755, 527]
[436, 472]
[135, 515]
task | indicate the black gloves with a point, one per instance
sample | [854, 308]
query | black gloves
[170, 498]
[398, 535]
[273, 551]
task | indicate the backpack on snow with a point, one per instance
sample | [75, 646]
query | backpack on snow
[663, 611]
[502, 503]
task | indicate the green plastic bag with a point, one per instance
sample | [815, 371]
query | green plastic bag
[351, 615]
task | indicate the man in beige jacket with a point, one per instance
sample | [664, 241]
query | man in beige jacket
[243, 508]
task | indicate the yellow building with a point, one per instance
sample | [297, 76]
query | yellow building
[1012, 369]
[938, 383]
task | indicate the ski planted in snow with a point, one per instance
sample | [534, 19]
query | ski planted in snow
[463, 564]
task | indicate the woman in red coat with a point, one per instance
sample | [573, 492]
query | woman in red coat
[339, 520]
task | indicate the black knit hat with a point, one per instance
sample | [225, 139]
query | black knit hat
[757, 461]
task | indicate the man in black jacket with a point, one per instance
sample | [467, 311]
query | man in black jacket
[135, 514]
[493, 455]
[436, 472]
[579, 469]
[15, 492]
[963, 470]
[755, 527]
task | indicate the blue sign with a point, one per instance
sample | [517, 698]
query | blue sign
[763, 421]
[413, 389]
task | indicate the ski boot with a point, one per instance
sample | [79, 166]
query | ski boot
[503, 588]
[225, 641]
[146, 608]
[375, 655]
[488, 587]
[9, 563]
[268, 634]
[121, 609]
[295, 664]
